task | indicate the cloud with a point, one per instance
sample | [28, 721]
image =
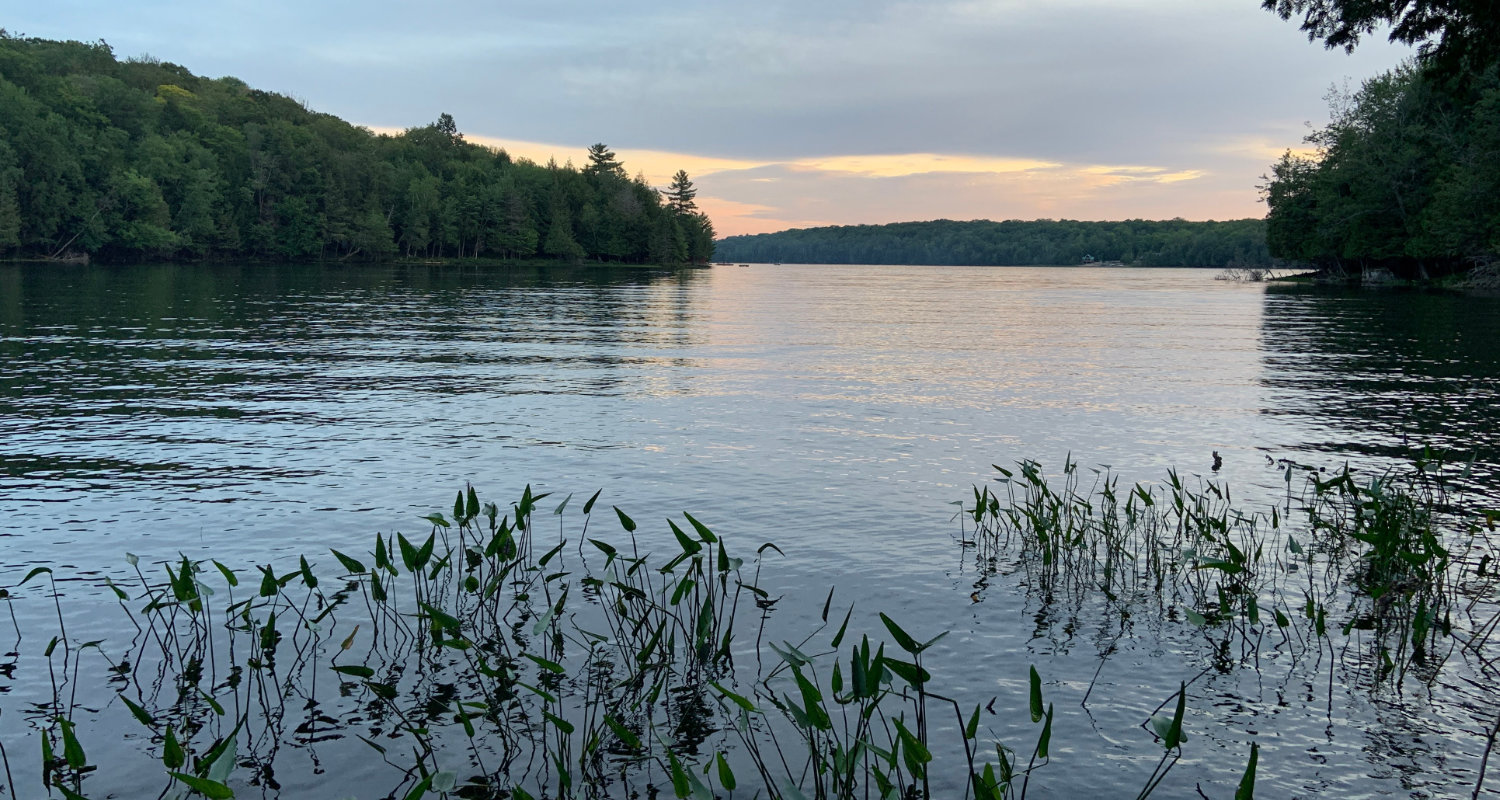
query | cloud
[733, 218]
[657, 165]
[1116, 108]
[892, 165]
[748, 196]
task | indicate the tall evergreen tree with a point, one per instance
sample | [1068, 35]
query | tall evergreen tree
[602, 161]
[680, 193]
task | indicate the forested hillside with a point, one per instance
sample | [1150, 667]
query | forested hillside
[137, 159]
[1406, 177]
[1172, 243]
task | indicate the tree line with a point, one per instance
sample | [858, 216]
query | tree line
[1406, 175]
[1169, 243]
[139, 159]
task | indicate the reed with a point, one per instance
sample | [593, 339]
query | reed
[1393, 571]
[550, 649]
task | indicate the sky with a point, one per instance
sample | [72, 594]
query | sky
[796, 113]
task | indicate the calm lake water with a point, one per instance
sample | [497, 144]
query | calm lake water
[254, 413]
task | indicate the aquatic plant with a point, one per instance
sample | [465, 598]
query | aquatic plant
[1377, 579]
[488, 659]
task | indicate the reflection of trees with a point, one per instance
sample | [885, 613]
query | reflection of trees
[133, 353]
[1381, 373]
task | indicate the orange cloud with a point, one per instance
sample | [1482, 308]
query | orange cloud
[813, 191]
[895, 165]
[733, 218]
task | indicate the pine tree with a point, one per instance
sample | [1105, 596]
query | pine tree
[602, 161]
[681, 193]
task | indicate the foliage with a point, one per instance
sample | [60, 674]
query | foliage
[1172, 243]
[680, 193]
[134, 159]
[496, 658]
[1391, 571]
[1452, 32]
[1406, 177]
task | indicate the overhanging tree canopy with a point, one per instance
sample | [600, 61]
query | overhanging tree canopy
[1453, 32]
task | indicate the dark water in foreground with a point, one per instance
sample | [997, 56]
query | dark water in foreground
[254, 413]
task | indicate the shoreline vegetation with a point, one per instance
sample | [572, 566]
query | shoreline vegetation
[1143, 243]
[138, 160]
[467, 262]
[531, 650]
[1403, 184]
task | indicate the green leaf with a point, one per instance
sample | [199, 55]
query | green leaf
[268, 584]
[726, 775]
[34, 573]
[72, 750]
[626, 522]
[913, 751]
[308, 577]
[703, 532]
[550, 666]
[424, 553]
[1246, 790]
[680, 786]
[353, 566]
[689, 546]
[589, 506]
[69, 794]
[542, 621]
[1036, 696]
[408, 552]
[138, 712]
[838, 638]
[909, 672]
[171, 754]
[562, 724]
[229, 576]
[420, 790]
[357, 670]
[210, 789]
[738, 700]
[683, 587]
[220, 759]
[812, 701]
[119, 593]
[442, 619]
[903, 639]
[382, 558]
[212, 703]
[629, 739]
[1174, 732]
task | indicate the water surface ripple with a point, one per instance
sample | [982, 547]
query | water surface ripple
[250, 413]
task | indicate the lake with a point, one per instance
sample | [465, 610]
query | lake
[253, 413]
